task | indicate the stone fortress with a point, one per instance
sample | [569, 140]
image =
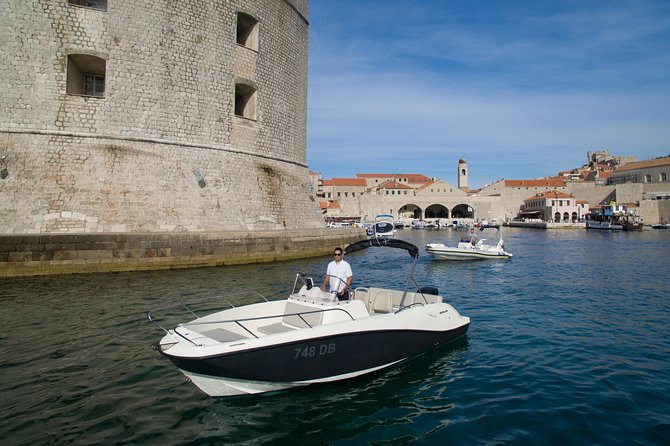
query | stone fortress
[141, 135]
[642, 185]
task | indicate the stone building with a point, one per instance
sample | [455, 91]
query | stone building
[553, 206]
[647, 184]
[126, 116]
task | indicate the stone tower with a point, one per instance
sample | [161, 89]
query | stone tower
[129, 116]
[462, 174]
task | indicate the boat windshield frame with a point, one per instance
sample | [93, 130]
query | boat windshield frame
[392, 243]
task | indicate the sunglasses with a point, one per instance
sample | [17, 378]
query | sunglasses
[338, 255]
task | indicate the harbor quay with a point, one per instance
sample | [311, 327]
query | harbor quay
[32, 255]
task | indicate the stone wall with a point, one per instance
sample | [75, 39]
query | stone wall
[29, 255]
[654, 211]
[82, 184]
[162, 150]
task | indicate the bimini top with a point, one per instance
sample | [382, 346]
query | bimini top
[389, 242]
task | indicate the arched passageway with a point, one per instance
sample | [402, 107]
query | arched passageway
[409, 211]
[437, 211]
[462, 211]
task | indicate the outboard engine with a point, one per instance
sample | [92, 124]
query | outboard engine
[429, 290]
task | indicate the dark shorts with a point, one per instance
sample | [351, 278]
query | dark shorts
[344, 296]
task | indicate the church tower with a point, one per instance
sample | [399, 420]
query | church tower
[462, 174]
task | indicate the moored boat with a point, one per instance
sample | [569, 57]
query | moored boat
[310, 337]
[613, 217]
[384, 226]
[469, 248]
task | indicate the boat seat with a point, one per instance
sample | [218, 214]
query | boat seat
[223, 335]
[382, 303]
[279, 327]
[296, 316]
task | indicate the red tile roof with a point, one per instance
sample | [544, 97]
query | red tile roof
[329, 204]
[644, 164]
[550, 194]
[411, 177]
[551, 182]
[393, 185]
[345, 182]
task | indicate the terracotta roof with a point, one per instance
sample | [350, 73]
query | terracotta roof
[329, 204]
[552, 182]
[644, 164]
[605, 174]
[393, 185]
[411, 177]
[550, 194]
[345, 182]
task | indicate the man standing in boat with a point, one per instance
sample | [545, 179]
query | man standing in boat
[340, 276]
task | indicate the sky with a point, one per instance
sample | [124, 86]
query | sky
[520, 89]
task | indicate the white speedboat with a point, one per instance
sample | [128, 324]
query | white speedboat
[310, 337]
[468, 249]
[384, 226]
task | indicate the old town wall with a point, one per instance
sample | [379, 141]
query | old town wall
[165, 148]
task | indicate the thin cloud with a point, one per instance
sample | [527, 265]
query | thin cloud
[541, 84]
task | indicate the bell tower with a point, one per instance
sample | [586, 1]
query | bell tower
[462, 174]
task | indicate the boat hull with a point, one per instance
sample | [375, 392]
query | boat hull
[446, 253]
[315, 360]
[613, 226]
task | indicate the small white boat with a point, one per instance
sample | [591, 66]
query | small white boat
[310, 337]
[384, 226]
[469, 249]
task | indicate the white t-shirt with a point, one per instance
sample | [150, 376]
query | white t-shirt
[338, 273]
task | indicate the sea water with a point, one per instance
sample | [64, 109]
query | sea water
[569, 344]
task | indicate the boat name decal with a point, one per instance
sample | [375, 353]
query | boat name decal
[314, 350]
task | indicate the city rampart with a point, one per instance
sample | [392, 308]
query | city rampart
[154, 117]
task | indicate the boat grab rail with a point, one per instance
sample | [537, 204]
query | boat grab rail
[157, 310]
[258, 318]
[151, 313]
[415, 304]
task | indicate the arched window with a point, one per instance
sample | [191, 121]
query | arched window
[245, 101]
[574, 217]
[85, 75]
[247, 31]
[663, 177]
[93, 4]
[647, 178]
[557, 217]
[566, 217]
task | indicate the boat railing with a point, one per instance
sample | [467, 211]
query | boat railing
[150, 314]
[240, 322]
